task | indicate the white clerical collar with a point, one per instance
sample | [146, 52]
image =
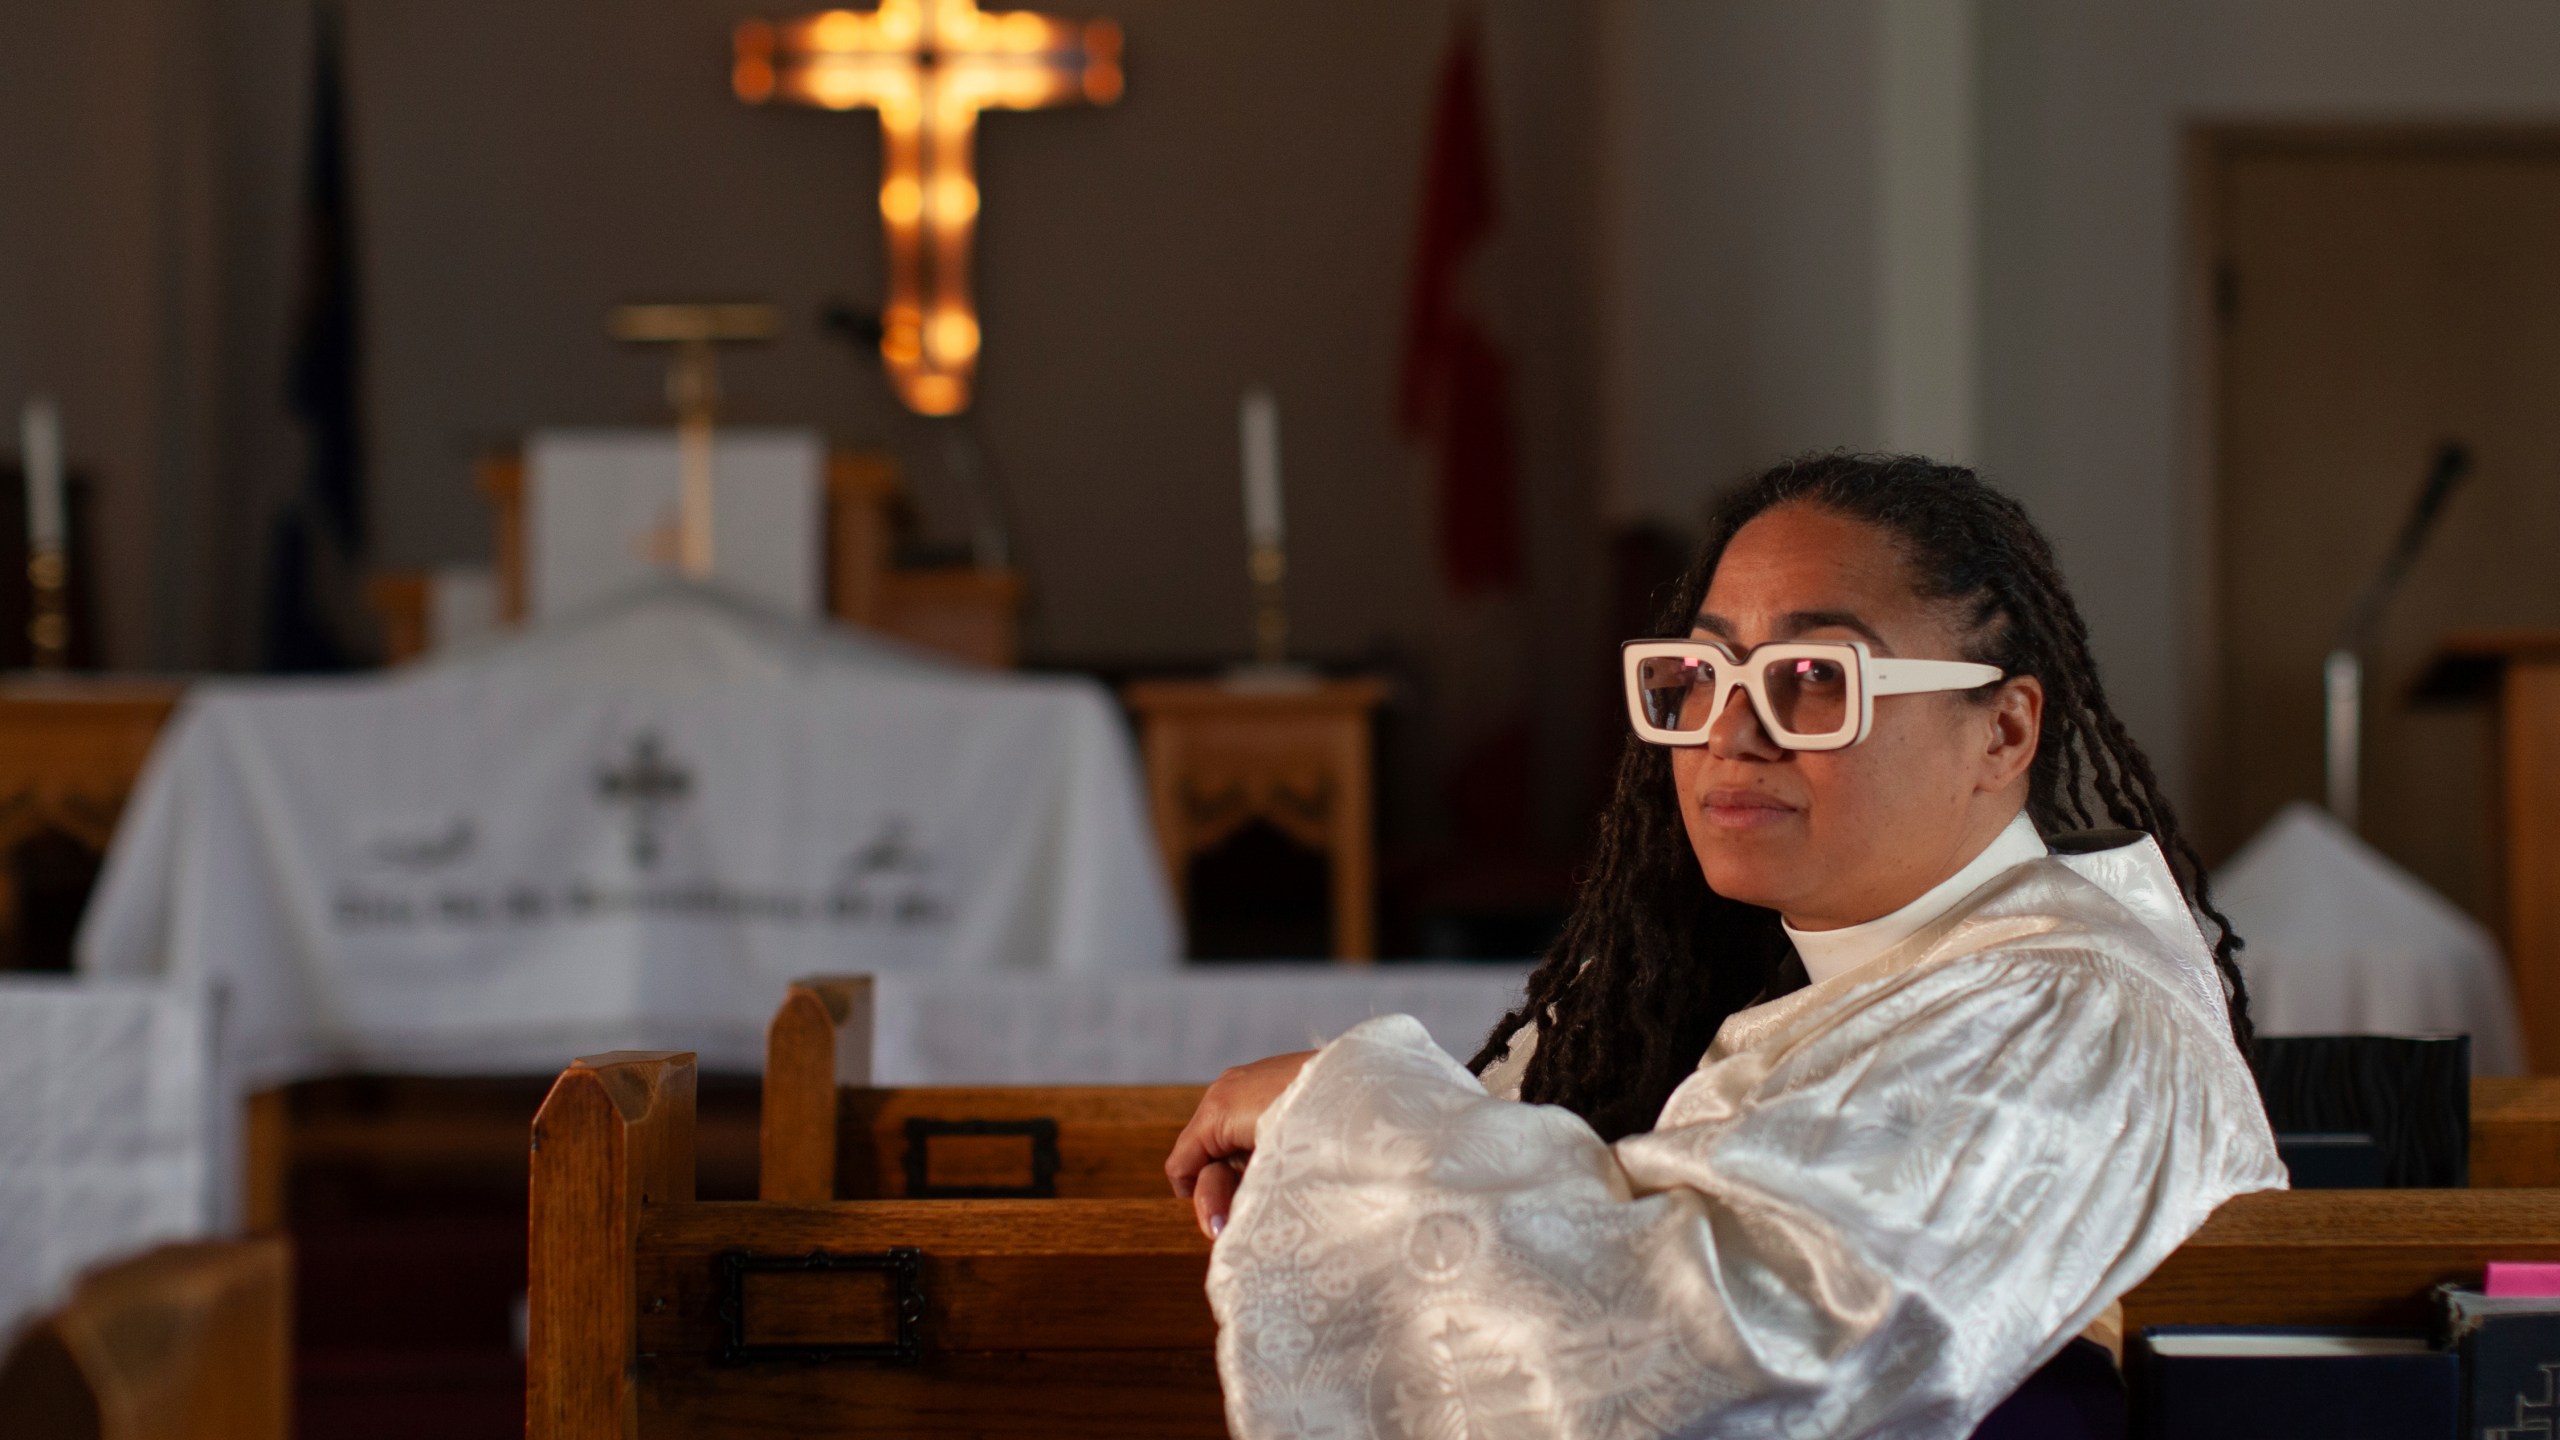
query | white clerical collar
[1837, 952]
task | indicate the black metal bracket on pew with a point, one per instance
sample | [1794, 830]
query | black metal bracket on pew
[903, 1264]
[1041, 1132]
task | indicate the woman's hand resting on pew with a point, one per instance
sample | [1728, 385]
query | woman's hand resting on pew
[1209, 1156]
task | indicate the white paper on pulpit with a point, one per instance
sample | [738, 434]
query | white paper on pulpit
[601, 515]
[630, 829]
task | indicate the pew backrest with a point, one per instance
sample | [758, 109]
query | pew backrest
[653, 1314]
[190, 1340]
[614, 1136]
[2515, 1132]
[829, 1134]
[2341, 1257]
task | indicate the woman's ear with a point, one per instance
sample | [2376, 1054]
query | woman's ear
[2017, 721]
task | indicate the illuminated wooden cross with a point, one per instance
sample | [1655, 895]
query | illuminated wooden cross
[929, 67]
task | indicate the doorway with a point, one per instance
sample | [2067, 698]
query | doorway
[2371, 293]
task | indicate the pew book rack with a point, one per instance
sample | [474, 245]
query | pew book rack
[828, 1135]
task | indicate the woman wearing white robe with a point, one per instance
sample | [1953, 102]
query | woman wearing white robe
[1984, 1091]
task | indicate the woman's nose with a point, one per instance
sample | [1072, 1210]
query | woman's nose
[1737, 735]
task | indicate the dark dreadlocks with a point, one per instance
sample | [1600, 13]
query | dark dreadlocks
[1652, 961]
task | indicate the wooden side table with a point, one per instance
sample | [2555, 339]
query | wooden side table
[1221, 754]
[71, 748]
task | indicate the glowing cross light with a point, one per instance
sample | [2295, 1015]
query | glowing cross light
[929, 67]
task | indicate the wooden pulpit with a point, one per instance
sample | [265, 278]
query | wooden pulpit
[2519, 670]
[965, 612]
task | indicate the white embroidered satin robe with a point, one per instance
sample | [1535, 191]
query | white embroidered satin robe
[1879, 1204]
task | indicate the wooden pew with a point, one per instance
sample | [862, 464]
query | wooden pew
[654, 1314]
[185, 1342]
[2341, 1257]
[827, 1134]
[2515, 1132]
[405, 1200]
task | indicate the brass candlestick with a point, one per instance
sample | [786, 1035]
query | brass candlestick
[693, 392]
[49, 616]
[1269, 565]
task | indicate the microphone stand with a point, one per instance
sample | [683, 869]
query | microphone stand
[2342, 672]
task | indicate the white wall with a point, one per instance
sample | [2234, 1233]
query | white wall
[1789, 259]
[98, 256]
[1928, 296]
[1739, 268]
[1770, 247]
[148, 153]
[2084, 108]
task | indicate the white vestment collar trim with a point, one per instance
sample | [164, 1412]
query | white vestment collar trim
[1829, 953]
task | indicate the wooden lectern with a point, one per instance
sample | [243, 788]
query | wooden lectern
[969, 613]
[2521, 669]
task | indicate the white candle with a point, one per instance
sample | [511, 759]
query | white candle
[1261, 426]
[40, 453]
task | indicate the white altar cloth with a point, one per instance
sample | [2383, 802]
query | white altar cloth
[633, 826]
[2340, 941]
[113, 1134]
[1178, 1030]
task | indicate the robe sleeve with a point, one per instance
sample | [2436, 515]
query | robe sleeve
[1882, 1227]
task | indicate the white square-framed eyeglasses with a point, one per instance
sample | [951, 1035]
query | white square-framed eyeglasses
[1809, 694]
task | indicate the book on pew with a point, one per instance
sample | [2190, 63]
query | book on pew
[2510, 1352]
[2254, 1382]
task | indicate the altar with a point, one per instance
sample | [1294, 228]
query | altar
[639, 822]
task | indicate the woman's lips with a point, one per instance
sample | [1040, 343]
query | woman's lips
[1744, 809]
